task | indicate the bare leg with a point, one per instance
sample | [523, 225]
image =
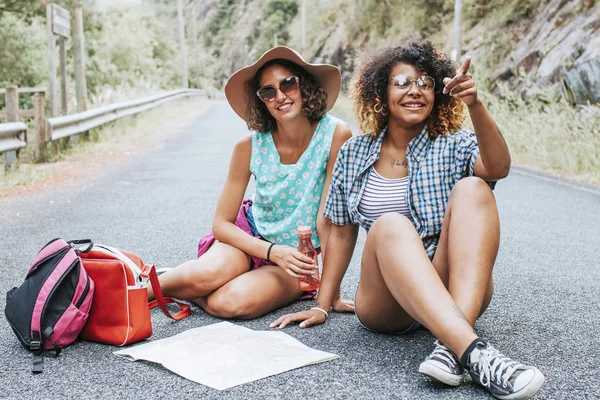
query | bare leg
[396, 267]
[198, 278]
[252, 294]
[395, 250]
[468, 246]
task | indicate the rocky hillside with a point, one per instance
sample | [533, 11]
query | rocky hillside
[558, 46]
[527, 45]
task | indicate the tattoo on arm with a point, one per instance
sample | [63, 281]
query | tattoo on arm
[399, 163]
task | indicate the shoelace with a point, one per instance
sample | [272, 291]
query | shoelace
[495, 366]
[444, 353]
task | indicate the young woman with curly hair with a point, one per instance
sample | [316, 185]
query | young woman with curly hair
[422, 188]
[249, 264]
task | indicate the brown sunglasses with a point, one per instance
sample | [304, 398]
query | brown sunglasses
[287, 86]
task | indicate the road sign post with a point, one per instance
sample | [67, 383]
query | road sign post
[79, 56]
[58, 23]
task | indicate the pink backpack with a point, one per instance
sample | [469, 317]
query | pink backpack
[51, 307]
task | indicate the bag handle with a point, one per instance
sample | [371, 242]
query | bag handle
[149, 271]
[82, 241]
[122, 257]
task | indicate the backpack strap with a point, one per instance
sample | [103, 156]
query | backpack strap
[47, 333]
[149, 271]
[35, 346]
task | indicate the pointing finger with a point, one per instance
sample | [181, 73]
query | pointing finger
[466, 64]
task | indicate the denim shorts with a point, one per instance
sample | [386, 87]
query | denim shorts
[251, 222]
[245, 221]
[416, 325]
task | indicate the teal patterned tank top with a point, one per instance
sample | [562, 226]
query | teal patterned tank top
[288, 195]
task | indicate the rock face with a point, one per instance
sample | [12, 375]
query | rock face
[556, 46]
[562, 49]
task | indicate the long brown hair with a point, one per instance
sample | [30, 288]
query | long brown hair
[314, 98]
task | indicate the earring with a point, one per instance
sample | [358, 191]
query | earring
[383, 110]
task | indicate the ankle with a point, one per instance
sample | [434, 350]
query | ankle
[465, 358]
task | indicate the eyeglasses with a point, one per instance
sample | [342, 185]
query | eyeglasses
[425, 83]
[287, 86]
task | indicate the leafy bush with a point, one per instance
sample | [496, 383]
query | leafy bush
[277, 14]
[23, 59]
[130, 47]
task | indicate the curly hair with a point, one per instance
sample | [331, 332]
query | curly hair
[369, 87]
[314, 98]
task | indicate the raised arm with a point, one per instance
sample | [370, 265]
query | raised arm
[493, 162]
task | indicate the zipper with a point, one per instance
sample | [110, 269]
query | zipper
[85, 292]
[35, 267]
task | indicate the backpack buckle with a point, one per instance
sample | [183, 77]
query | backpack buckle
[35, 345]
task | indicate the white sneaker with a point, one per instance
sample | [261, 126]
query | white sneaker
[504, 377]
[443, 366]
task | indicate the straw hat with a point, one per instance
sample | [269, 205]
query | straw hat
[327, 76]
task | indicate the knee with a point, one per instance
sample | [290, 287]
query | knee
[390, 225]
[202, 279]
[228, 304]
[473, 189]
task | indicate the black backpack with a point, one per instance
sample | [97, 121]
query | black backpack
[51, 307]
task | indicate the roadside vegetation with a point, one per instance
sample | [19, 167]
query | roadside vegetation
[105, 147]
[133, 52]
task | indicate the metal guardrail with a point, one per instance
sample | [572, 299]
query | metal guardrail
[12, 136]
[68, 125]
[27, 90]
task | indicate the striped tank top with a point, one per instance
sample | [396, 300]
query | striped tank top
[382, 195]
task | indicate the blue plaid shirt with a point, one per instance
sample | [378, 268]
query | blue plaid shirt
[434, 167]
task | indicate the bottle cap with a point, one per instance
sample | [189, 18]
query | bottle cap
[304, 230]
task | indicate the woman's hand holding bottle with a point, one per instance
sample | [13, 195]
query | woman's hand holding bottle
[292, 261]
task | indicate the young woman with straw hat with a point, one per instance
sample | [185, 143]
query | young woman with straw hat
[249, 265]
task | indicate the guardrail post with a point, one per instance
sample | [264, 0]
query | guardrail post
[12, 115]
[39, 138]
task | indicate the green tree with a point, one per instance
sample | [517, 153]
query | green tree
[25, 9]
[277, 15]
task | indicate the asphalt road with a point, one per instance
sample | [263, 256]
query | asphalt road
[545, 309]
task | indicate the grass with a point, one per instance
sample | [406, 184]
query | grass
[552, 137]
[548, 136]
[104, 148]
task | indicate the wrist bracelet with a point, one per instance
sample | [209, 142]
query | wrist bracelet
[269, 252]
[323, 311]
